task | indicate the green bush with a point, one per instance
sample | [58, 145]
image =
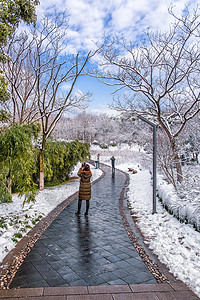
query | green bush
[60, 159]
[17, 161]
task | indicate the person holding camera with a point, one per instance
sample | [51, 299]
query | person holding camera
[84, 188]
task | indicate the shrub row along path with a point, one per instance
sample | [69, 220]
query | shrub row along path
[89, 256]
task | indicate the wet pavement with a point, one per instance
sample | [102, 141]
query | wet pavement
[79, 251]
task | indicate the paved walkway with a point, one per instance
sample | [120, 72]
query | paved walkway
[79, 251]
[91, 258]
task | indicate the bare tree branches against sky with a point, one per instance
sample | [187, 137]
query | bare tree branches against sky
[90, 20]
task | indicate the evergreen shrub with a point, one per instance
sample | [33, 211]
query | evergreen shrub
[60, 158]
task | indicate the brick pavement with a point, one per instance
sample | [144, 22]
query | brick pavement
[165, 291]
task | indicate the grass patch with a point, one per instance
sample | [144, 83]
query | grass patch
[3, 224]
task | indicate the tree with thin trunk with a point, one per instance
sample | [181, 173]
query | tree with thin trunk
[45, 86]
[18, 71]
[159, 76]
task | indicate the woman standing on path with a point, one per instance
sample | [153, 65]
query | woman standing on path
[85, 187]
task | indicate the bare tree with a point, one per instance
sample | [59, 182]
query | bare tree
[82, 127]
[101, 128]
[47, 75]
[159, 76]
[22, 82]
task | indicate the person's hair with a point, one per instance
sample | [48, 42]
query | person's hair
[86, 167]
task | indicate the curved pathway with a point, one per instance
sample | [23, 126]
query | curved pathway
[79, 251]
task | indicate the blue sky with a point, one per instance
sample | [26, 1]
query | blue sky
[101, 94]
[90, 19]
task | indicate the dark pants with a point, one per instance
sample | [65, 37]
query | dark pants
[87, 205]
[113, 170]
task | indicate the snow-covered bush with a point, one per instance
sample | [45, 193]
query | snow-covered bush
[183, 202]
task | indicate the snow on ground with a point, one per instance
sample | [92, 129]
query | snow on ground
[176, 244]
[16, 221]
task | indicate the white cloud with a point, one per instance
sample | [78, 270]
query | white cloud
[66, 87]
[89, 19]
[129, 13]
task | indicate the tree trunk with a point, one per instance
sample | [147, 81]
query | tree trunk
[10, 185]
[41, 170]
[177, 161]
[178, 168]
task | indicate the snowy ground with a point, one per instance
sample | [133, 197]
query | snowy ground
[176, 244]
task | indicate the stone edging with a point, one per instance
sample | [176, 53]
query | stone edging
[14, 259]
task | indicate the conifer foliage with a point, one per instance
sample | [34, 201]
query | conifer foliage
[17, 161]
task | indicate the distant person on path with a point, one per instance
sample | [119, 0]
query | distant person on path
[85, 187]
[98, 157]
[113, 164]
